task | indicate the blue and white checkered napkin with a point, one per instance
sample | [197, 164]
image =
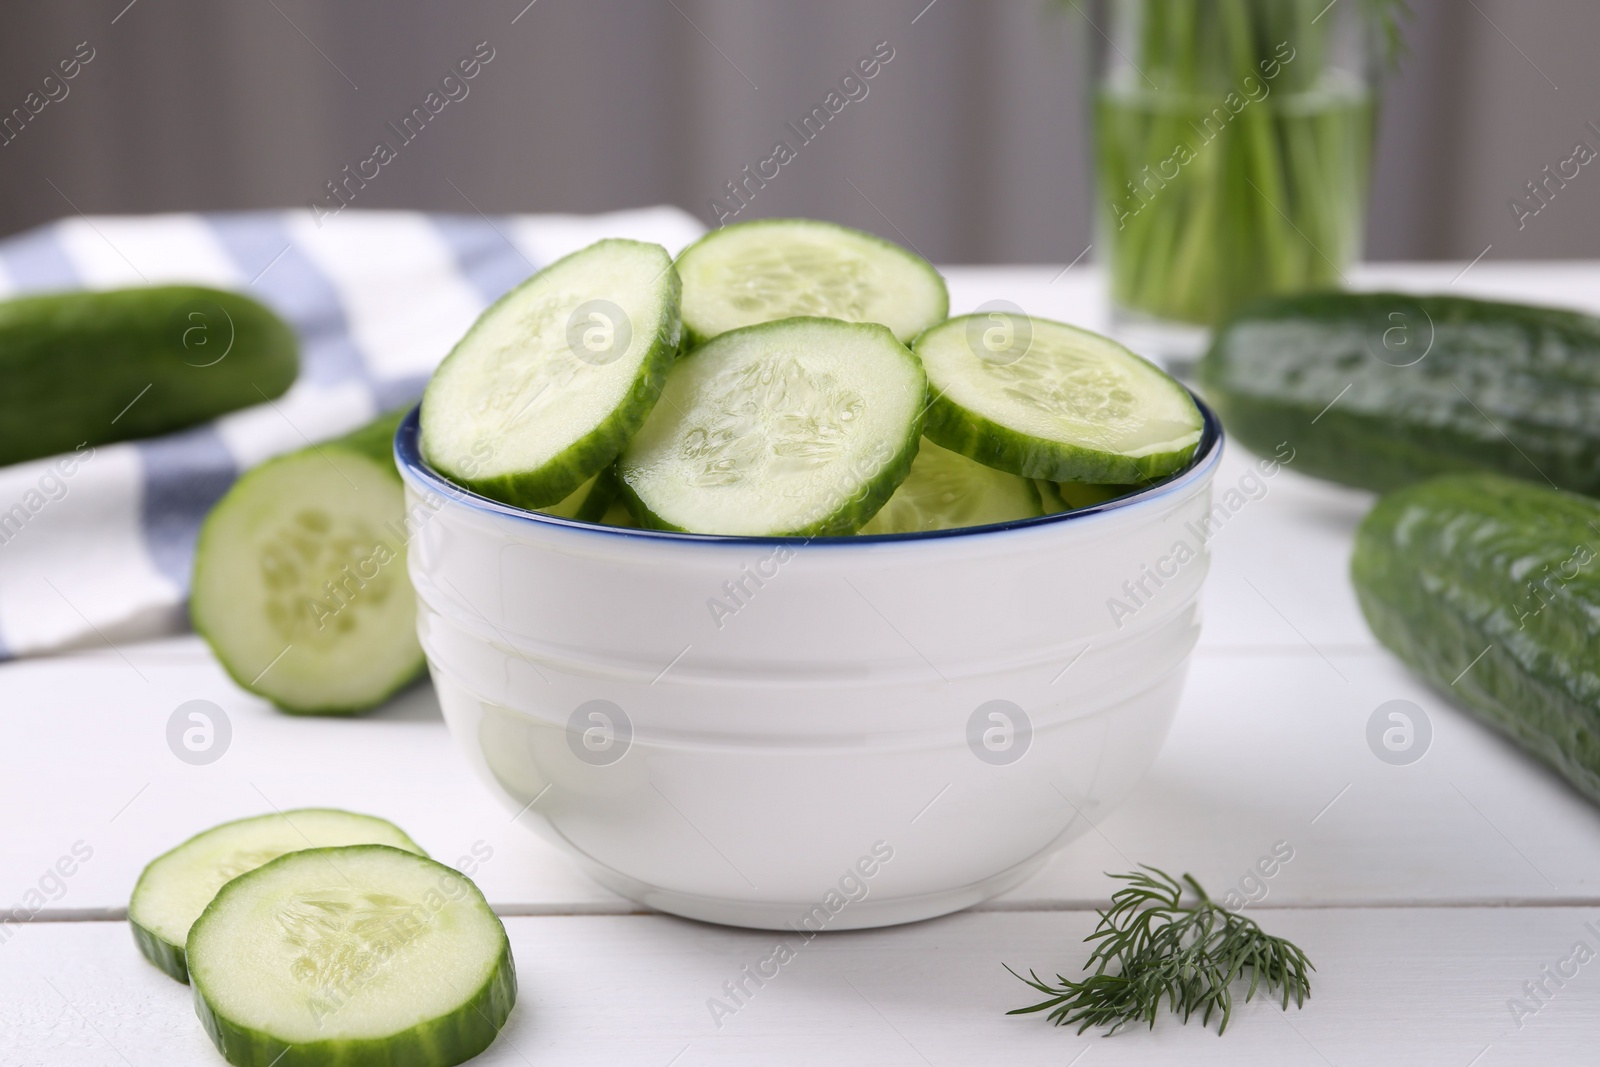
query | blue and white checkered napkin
[97, 548]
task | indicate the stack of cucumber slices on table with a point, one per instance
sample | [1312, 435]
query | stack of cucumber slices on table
[780, 378]
[320, 937]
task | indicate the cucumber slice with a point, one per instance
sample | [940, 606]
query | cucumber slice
[177, 885]
[602, 498]
[1070, 496]
[946, 490]
[552, 380]
[753, 272]
[572, 505]
[358, 955]
[300, 582]
[618, 515]
[590, 501]
[1046, 400]
[791, 428]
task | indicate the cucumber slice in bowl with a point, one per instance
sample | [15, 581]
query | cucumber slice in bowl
[177, 885]
[590, 501]
[1048, 400]
[354, 955]
[793, 428]
[570, 506]
[1072, 496]
[770, 269]
[946, 490]
[617, 514]
[551, 381]
[300, 583]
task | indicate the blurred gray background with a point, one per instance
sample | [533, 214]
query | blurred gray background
[970, 145]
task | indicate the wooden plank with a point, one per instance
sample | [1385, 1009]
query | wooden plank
[1273, 748]
[88, 760]
[1415, 985]
[1264, 742]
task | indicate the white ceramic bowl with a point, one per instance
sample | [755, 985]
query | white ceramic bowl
[844, 733]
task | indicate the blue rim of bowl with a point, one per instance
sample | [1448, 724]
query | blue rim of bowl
[408, 456]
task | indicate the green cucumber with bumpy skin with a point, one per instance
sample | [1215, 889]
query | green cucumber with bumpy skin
[554, 378]
[364, 954]
[770, 269]
[112, 365]
[1379, 390]
[300, 584]
[945, 490]
[799, 427]
[177, 885]
[1042, 399]
[1489, 587]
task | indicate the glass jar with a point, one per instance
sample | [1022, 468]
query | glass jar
[1233, 146]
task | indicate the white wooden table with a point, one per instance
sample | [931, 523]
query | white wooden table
[1427, 894]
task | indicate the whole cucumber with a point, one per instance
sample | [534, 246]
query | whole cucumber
[113, 365]
[1490, 588]
[1378, 390]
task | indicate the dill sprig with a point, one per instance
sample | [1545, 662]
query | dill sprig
[1151, 948]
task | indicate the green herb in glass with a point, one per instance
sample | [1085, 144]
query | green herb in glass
[1232, 149]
